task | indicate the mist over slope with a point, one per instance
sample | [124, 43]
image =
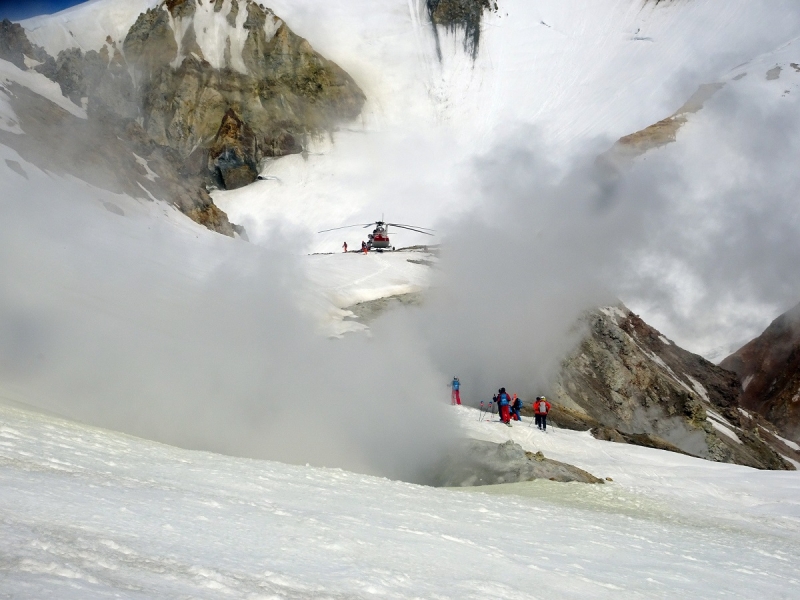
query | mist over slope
[160, 328]
[147, 325]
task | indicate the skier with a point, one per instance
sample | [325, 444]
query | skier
[503, 401]
[516, 406]
[455, 395]
[363, 246]
[344, 247]
[540, 408]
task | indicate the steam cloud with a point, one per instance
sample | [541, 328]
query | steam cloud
[106, 320]
[99, 324]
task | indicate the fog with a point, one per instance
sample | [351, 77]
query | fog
[132, 323]
[186, 337]
[720, 257]
[151, 326]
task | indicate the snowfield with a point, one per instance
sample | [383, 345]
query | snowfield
[88, 513]
[122, 311]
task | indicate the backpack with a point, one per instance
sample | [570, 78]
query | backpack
[542, 406]
[517, 403]
[503, 399]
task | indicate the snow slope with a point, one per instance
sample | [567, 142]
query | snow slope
[573, 71]
[86, 513]
[86, 25]
[37, 83]
[573, 74]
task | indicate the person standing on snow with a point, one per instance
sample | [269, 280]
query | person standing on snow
[344, 247]
[455, 395]
[540, 408]
[504, 401]
[516, 406]
[363, 246]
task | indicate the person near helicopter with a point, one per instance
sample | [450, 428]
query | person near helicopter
[363, 246]
[540, 409]
[455, 394]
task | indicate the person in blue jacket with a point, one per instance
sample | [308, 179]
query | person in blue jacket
[455, 395]
[504, 402]
[516, 406]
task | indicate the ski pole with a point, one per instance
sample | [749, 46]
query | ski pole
[533, 406]
[480, 417]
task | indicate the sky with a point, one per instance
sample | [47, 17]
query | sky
[17, 10]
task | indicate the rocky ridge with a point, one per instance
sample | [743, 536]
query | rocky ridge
[460, 15]
[628, 383]
[660, 133]
[475, 462]
[203, 91]
[769, 370]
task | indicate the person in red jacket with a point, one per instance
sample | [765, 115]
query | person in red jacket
[540, 409]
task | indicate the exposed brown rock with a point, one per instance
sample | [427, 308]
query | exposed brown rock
[474, 462]
[15, 46]
[641, 388]
[287, 92]
[150, 43]
[664, 131]
[201, 125]
[233, 154]
[101, 151]
[769, 369]
[465, 15]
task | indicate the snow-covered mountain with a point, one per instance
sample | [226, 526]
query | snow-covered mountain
[627, 377]
[204, 91]
[568, 153]
[87, 513]
[160, 99]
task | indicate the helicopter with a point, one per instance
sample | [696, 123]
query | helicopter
[379, 238]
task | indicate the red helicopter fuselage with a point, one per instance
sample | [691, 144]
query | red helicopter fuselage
[379, 238]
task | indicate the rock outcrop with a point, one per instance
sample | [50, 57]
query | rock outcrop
[110, 154]
[475, 462]
[460, 15]
[628, 383]
[15, 46]
[208, 88]
[280, 89]
[232, 154]
[769, 370]
[660, 133]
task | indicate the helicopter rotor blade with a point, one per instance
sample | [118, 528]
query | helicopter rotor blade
[345, 227]
[411, 226]
[410, 229]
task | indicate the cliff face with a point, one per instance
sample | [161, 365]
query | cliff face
[205, 89]
[195, 62]
[15, 46]
[630, 384]
[769, 369]
[460, 15]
